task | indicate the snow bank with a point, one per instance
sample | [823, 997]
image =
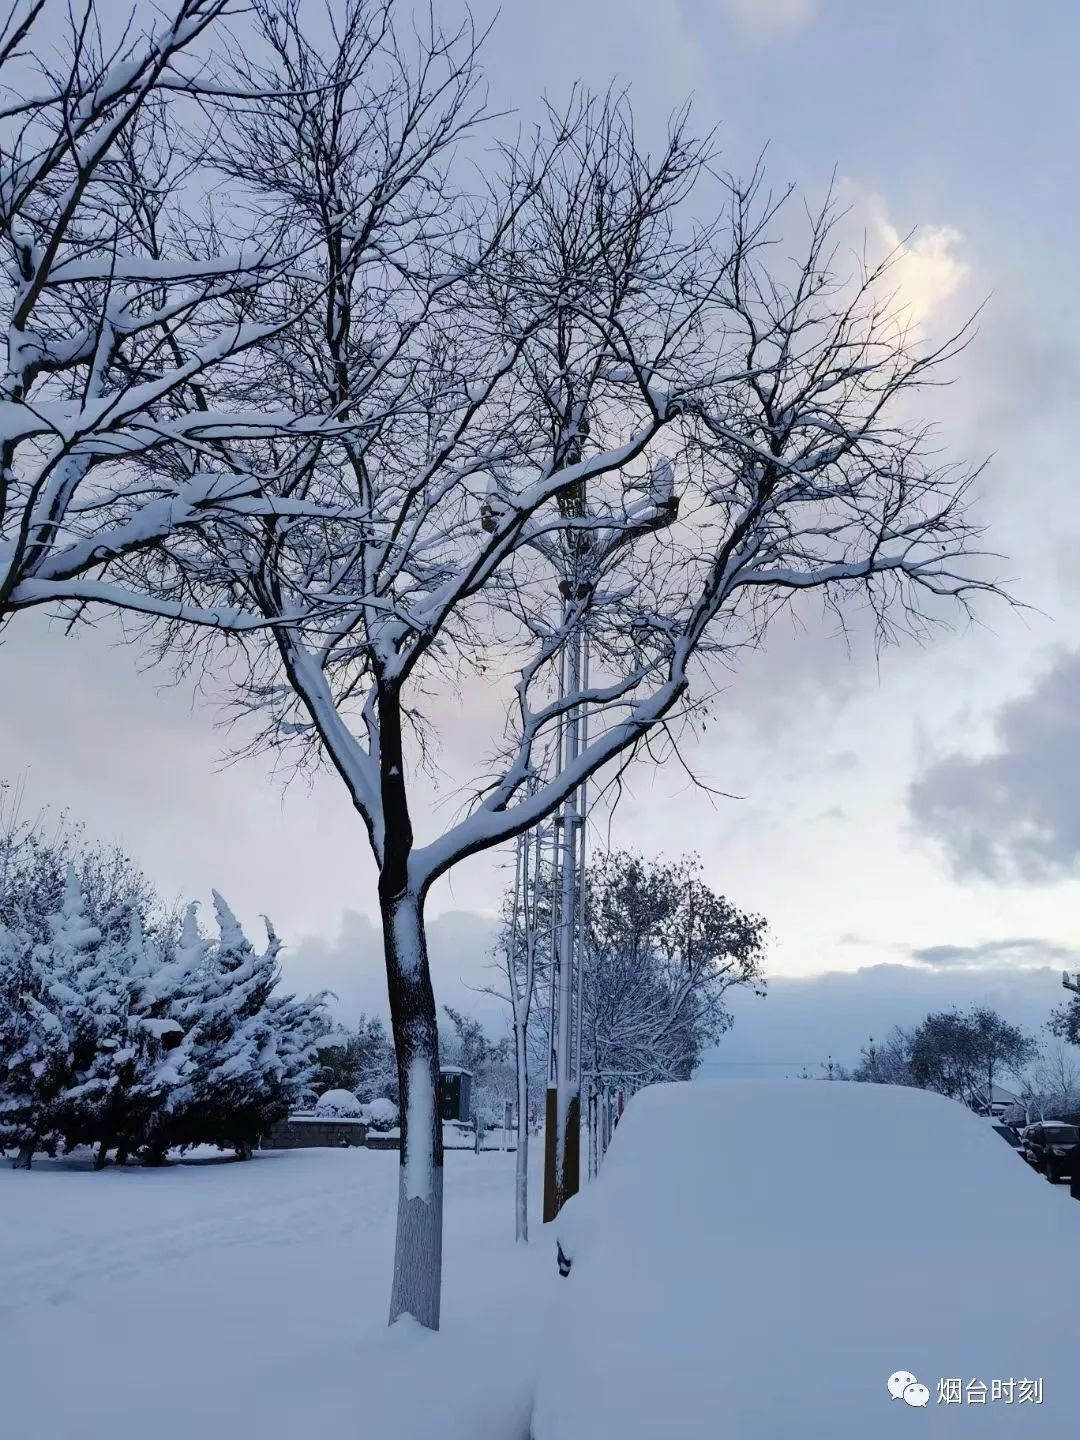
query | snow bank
[758, 1257]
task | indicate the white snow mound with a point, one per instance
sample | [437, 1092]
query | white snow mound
[757, 1258]
[381, 1114]
[338, 1102]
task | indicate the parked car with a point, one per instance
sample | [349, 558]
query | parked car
[1052, 1147]
[759, 1258]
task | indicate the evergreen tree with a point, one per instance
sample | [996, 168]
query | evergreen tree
[252, 1054]
[59, 1008]
[28, 1042]
[135, 1066]
[172, 999]
[299, 1027]
[125, 1031]
[361, 1061]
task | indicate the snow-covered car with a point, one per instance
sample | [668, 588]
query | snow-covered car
[1007, 1133]
[722, 1284]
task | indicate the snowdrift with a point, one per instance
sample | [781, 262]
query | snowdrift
[758, 1257]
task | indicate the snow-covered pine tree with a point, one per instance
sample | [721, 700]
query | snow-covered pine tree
[56, 1008]
[232, 1048]
[360, 1060]
[81, 987]
[135, 1066]
[299, 1025]
[18, 1037]
[172, 1001]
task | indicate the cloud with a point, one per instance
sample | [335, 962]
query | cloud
[351, 965]
[926, 266]
[1013, 814]
[834, 812]
[765, 19]
[1023, 953]
[926, 269]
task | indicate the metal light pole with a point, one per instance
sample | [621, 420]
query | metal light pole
[562, 1132]
[562, 1142]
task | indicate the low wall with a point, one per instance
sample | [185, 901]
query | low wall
[303, 1132]
[306, 1132]
[375, 1141]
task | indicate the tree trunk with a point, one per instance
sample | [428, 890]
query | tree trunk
[521, 1165]
[418, 1249]
[102, 1155]
[24, 1158]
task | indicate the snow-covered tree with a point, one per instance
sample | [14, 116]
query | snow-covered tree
[886, 1062]
[57, 1006]
[134, 1040]
[134, 1070]
[360, 1060]
[36, 854]
[228, 1041]
[565, 406]
[490, 1062]
[960, 1054]
[298, 1027]
[125, 298]
[29, 1044]
[661, 952]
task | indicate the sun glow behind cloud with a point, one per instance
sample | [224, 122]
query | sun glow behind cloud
[926, 269]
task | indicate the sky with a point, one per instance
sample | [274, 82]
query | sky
[909, 824]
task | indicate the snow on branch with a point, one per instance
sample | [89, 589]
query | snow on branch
[472, 428]
[131, 312]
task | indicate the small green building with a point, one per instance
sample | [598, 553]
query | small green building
[456, 1086]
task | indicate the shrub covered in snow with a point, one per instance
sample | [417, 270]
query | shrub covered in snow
[134, 1038]
[381, 1114]
[339, 1104]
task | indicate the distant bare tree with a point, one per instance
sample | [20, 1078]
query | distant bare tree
[963, 1056]
[886, 1062]
[1049, 1088]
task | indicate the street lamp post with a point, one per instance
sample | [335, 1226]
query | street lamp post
[562, 1145]
[562, 1132]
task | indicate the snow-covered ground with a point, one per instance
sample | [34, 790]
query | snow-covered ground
[222, 1301]
[762, 1262]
